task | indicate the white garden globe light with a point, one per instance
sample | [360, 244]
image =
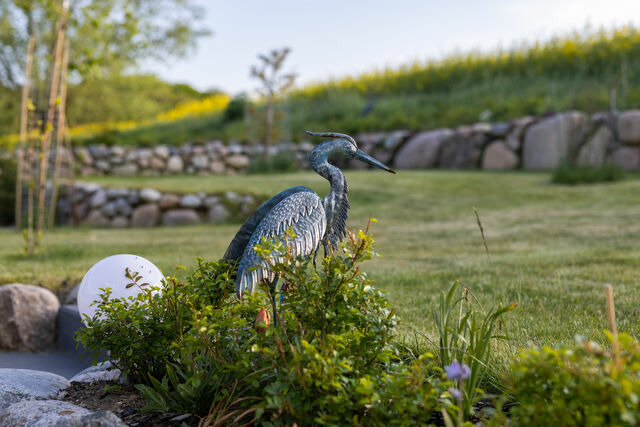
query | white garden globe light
[110, 273]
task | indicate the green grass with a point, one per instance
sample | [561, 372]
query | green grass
[551, 247]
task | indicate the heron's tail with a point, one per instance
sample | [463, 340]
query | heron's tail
[331, 135]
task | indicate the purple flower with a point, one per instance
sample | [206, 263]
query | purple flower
[457, 371]
[456, 394]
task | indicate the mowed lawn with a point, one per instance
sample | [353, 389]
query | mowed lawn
[551, 248]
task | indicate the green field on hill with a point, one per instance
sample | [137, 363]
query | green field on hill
[551, 248]
[577, 71]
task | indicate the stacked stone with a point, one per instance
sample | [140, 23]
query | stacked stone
[95, 206]
[532, 143]
[210, 158]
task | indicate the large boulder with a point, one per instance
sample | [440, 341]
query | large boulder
[629, 127]
[146, 215]
[499, 157]
[180, 217]
[44, 413]
[21, 384]
[169, 201]
[462, 150]
[218, 213]
[627, 157]
[548, 142]
[238, 161]
[127, 169]
[594, 151]
[421, 151]
[27, 317]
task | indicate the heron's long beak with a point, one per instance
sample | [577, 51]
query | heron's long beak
[364, 157]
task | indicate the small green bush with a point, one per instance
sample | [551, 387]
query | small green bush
[7, 191]
[580, 385]
[570, 174]
[195, 348]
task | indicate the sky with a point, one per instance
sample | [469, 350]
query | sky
[334, 38]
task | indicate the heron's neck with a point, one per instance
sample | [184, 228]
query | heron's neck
[335, 203]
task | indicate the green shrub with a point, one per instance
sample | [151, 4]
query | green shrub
[7, 191]
[570, 174]
[581, 385]
[195, 347]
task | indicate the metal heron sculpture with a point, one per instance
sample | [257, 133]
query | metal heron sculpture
[313, 220]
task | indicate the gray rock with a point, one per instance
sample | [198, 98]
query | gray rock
[109, 209]
[128, 169]
[88, 187]
[214, 147]
[217, 167]
[190, 201]
[231, 196]
[175, 164]
[169, 201]
[218, 213]
[238, 161]
[516, 134]
[200, 161]
[500, 129]
[394, 139]
[421, 151]
[42, 413]
[96, 219]
[122, 207]
[211, 201]
[134, 197]
[369, 139]
[180, 217]
[481, 127]
[83, 155]
[629, 127]
[103, 371]
[461, 151]
[548, 142]
[146, 215]
[120, 222]
[594, 152]
[21, 384]
[627, 157]
[234, 149]
[162, 151]
[114, 193]
[498, 156]
[150, 195]
[99, 198]
[157, 163]
[117, 151]
[99, 151]
[103, 166]
[80, 210]
[144, 153]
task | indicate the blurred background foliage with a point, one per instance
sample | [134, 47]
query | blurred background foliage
[575, 71]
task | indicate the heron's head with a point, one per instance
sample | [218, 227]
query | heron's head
[341, 145]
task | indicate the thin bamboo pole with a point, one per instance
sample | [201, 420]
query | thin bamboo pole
[46, 136]
[23, 133]
[611, 320]
[72, 175]
[60, 133]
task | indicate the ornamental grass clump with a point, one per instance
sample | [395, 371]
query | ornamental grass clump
[466, 335]
[329, 359]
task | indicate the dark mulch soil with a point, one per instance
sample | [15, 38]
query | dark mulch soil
[124, 401]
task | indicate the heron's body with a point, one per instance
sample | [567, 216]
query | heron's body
[312, 219]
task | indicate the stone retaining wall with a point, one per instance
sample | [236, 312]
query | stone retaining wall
[523, 143]
[95, 206]
[212, 157]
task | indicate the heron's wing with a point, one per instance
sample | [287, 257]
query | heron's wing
[304, 213]
[241, 239]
